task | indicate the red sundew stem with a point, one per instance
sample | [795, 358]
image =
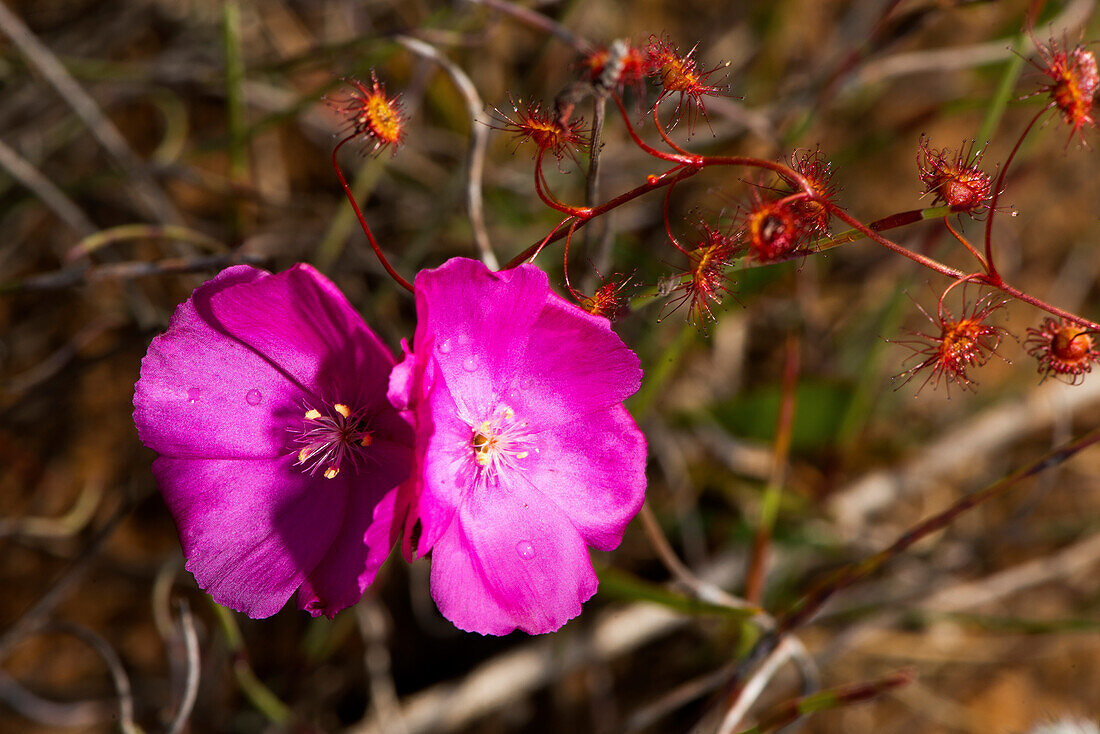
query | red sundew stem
[785, 172]
[990, 267]
[538, 248]
[686, 158]
[966, 243]
[565, 261]
[1043, 305]
[584, 214]
[869, 233]
[664, 135]
[668, 225]
[363, 222]
[993, 280]
[800, 196]
[543, 190]
[943, 296]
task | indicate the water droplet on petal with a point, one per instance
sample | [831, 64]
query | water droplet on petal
[194, 394]
[445, 346]
[525, 550]
[253, 397]
[470, 364]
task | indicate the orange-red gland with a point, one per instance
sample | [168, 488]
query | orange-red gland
[818, 172]
[1074, 80]
[772, 229]
[550, 133]
[372, 115]
[609, 300]
[705, 281]
[961, 344]
[1062, 349]
[680, 75]
[955, 177]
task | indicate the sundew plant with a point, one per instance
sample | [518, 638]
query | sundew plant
[508, 366]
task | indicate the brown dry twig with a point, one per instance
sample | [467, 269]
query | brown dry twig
[145, 187]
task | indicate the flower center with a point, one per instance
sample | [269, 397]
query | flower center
[499, 442]
[329, 438]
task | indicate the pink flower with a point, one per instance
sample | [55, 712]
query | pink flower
[279, 452]
[525, 453]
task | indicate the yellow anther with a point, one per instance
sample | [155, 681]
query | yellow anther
[312, 415]
[509, 414]
[521, 455]
[483, 459]
[485, 429]
[303, 455]
[331, 472]
[367, 440]
[342, 409]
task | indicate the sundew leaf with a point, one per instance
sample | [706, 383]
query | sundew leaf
[617, 584]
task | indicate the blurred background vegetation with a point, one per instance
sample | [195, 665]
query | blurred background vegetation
[145, 144]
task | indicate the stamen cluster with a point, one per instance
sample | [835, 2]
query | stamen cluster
[329, 439]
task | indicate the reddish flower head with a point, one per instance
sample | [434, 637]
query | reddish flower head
[704, 281]
[617, 67]
[960, 344]
[1063, 349]
[549, 132]
[609, 300]
[955, 177]
[773, 228]
[371, 114]
[812, 166]
[1073, 82]
[680, 74]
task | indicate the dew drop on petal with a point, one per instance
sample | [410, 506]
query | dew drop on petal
[470, 364]
[445, 346]
[525, 550]
[194, 394]
[253, 397]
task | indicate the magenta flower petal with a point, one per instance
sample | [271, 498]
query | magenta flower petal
[524, 451]
[203, 394]
[280, 453]
[509, 560]
[306, 327]
[560, 362]
[251, 530]
[353, 559]
[477, 324]
[592, 480]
